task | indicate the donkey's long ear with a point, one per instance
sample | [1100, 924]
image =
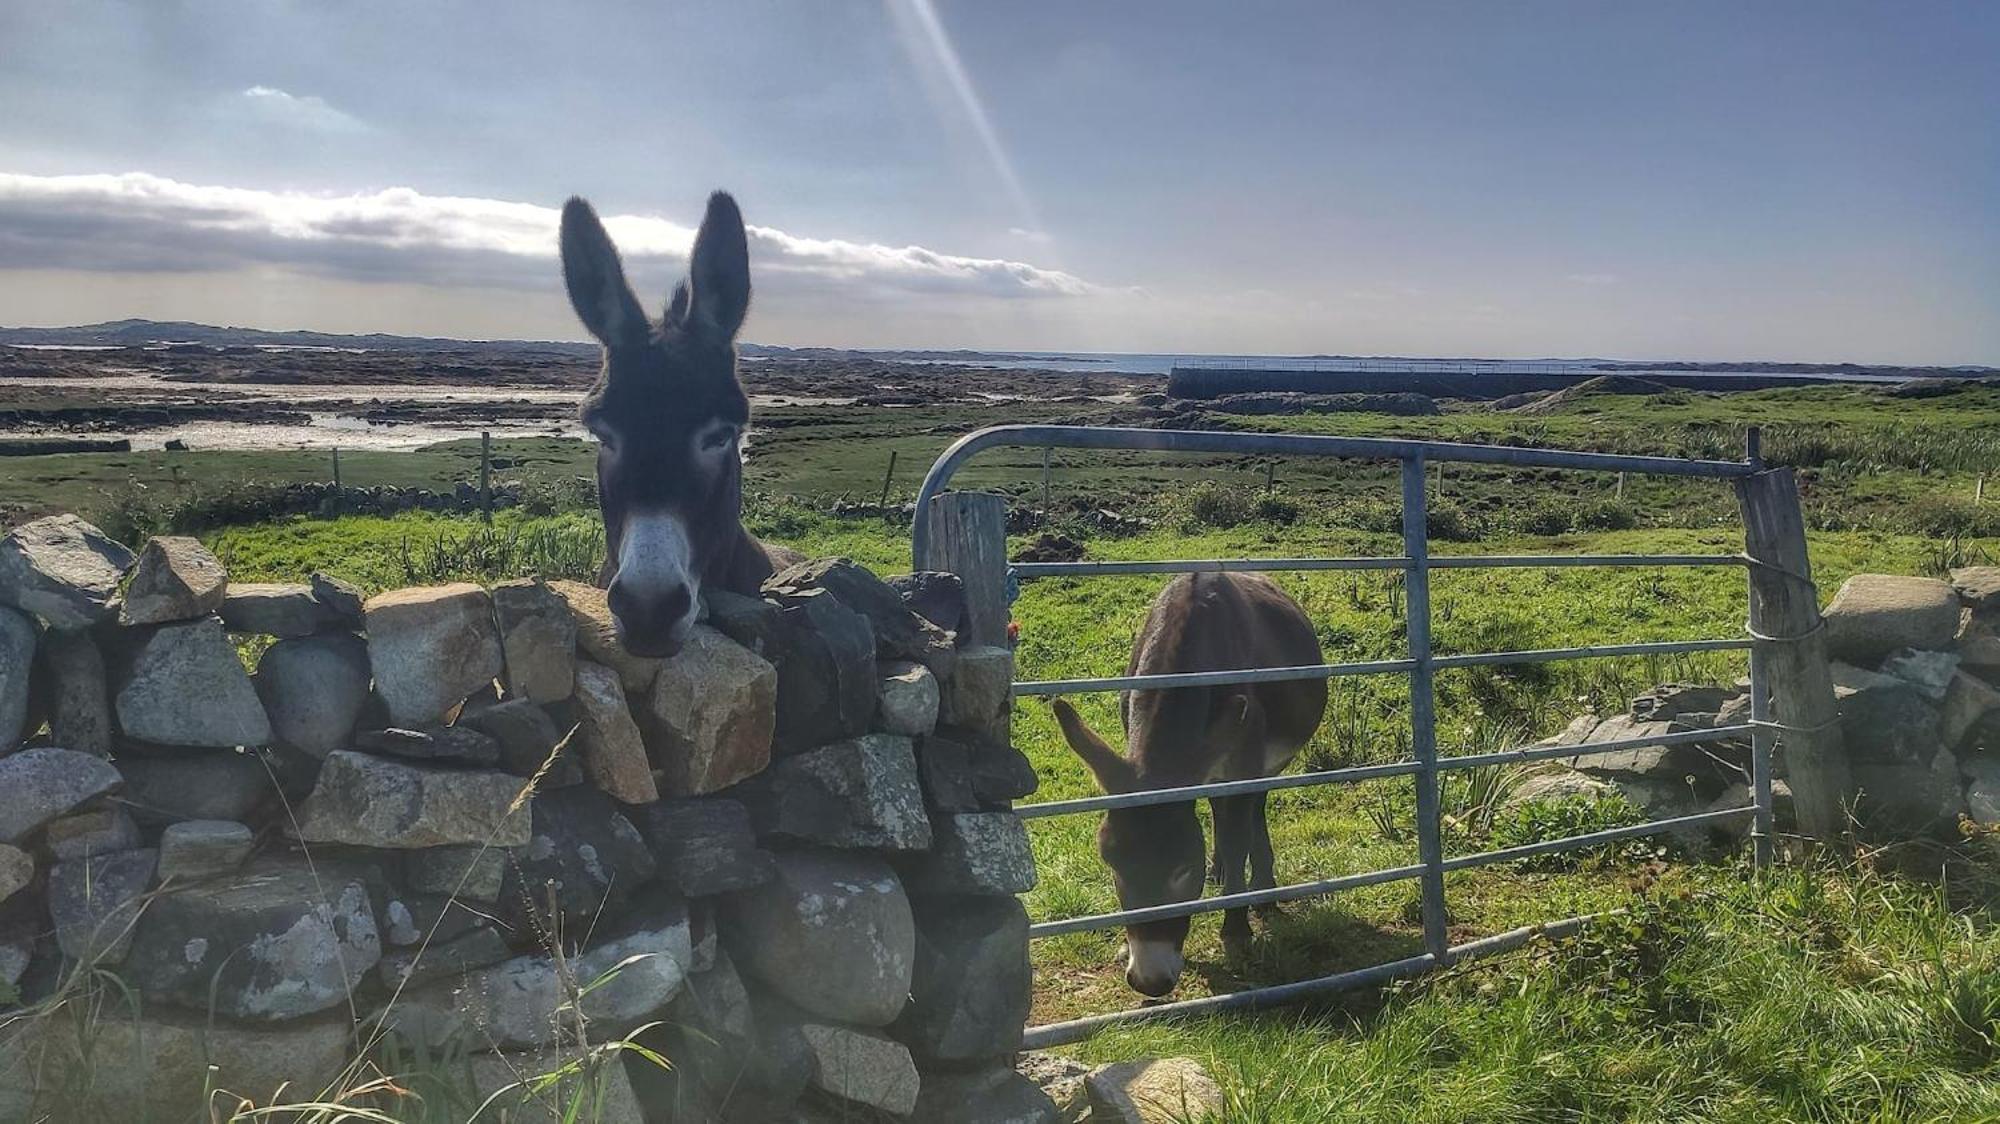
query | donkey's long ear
[596, 281]
[719, 270]
[1113, 772]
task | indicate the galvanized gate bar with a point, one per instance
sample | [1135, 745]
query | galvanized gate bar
[1438, 562]
[1422, 663]
[1238, 900]
[1294, 444]
[1076, 1030]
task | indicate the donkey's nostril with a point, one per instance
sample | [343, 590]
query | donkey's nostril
[649, 624]
[675, 605]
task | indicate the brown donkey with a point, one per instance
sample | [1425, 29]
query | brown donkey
[668, 415]
[1193, 735]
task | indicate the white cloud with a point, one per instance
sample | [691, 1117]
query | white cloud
[140, 222]
[277, 107]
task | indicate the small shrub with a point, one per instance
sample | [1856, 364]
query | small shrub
[1606, 515]
[1449, 521]
[1210, 503]
[1276, 509]
[1548, 518]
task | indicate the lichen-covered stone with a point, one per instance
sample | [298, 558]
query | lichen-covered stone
[831, 932]
[177, 664]
[975, 853]
[280, 939]
[37, 785]
[62, 570]
[177, 579]
[613, 753]
[706, 846]
[709, 716]
[860, 793]
[373, 802]
[314, 690]
[471, 872]
[583, 857]
[430, 648]
[538, 639]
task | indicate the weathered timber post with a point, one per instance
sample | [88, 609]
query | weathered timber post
[486, 476]
[888, 475]
[1045, 486]
[1785, 625]
[968, 537]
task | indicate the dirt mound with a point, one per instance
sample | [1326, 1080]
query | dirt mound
[1602, 384]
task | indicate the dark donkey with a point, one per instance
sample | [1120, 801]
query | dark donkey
[1193, 735]
[668, 414]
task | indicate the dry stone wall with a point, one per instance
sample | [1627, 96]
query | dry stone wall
[460, 822]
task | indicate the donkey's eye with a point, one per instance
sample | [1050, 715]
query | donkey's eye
[718, 437]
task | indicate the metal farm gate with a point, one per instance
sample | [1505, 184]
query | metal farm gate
[964, 532]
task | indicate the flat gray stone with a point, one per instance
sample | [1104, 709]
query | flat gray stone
[275, 609]
[177, 579]
[341, 598]
[17, 656]
[906, 699]
[314, 689]
[705, 846]
[970, 993]
[993, 1095]
[537, 638]
[216, 784]
[861, 1067]
[1967, 702]
[1928, 672]
[1982, 794]
[831, 933]
[974, 853]
[37, 785]
[62, 570]
[76, 693]
[430, 648]
[979, 696]
[1901, 798]
[519, 1003]
[860, 793]
[181, 663]
[1875, 614]
[527, 737]
[438, 745]
[95, 903]
[17, 869]
[96, 830]
[934, 595]
[195, 849]
[482, 947]
[374, 802]
[1884, 719]
[1977, 586]
[470, 872]
[583, 853]
[278, 940]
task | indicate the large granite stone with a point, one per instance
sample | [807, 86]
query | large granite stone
[276, 609]
[860, 793]
[437, 745]
[538, 639]
[705, 847]
[614, 755]
[826, 675]
[970, 993]
[95, 903]
[177, 663]
[62, 570]
[37, 785]
[17, 656]
[280, 939]
[314, 690]
[935, 595]
[906, 699]
[216, 784]
[528, 738]
[900, 634]
[1875, 614]
[76, 693]
[177, 579]
[631, 973]
[582, 856]
[709, 716]
[372, 802]
[430, 648]
[1884, 719]
[341, 598]
[830, 932]
[597, 636]
[861, 1068]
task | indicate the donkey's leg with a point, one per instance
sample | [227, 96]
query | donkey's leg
[1233, 826]
[1263, 864]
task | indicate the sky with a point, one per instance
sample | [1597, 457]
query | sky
[1510, 178]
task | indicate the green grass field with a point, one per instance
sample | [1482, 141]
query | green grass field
[1834, 991]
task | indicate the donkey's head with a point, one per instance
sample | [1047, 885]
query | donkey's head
[667, 413]
[1155, 851]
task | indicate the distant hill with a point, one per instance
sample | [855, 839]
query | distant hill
[140, 333]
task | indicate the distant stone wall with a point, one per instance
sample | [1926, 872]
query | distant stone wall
[466, 818]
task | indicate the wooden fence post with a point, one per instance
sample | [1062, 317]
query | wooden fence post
[1785, 623]
[486, 476]
[888, 475]
[968, 537]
